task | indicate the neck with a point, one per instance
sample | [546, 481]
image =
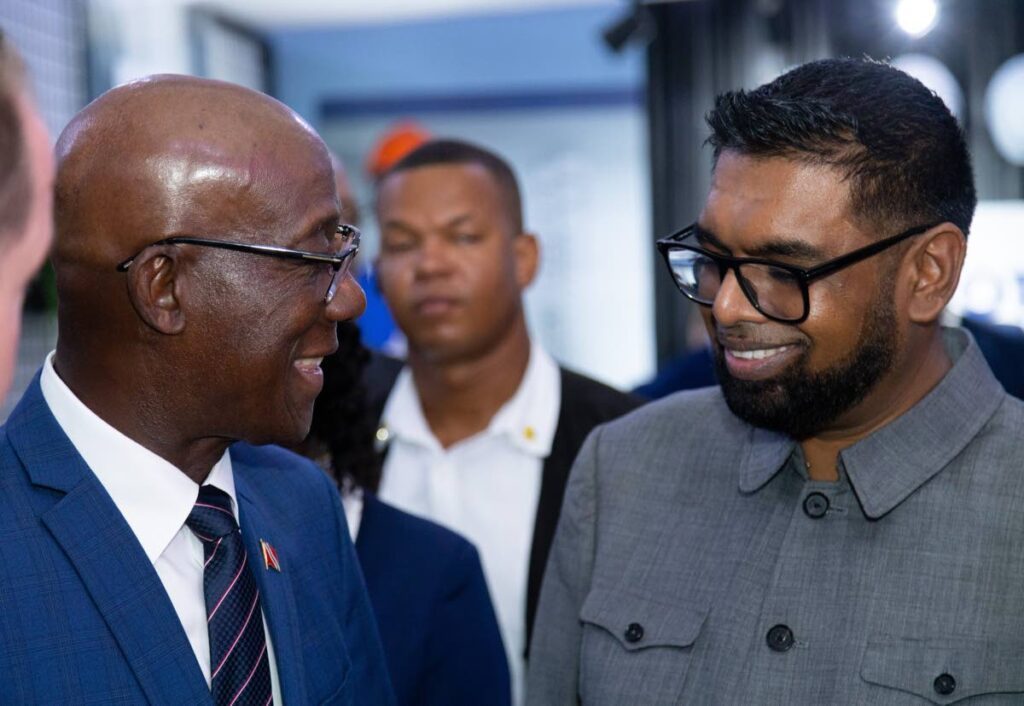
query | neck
[895, 394]
[459, 397]
[141, 413]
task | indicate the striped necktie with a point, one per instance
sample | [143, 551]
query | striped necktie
[239, 666]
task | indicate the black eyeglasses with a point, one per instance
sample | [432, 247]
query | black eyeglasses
[339, 263]
[777, 290]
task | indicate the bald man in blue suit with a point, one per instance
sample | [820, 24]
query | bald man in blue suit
[149, 554]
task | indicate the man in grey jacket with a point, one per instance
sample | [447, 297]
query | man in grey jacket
[841, 521]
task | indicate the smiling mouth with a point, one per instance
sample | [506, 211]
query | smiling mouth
[310, 366]
[759, 363]
[759, 353]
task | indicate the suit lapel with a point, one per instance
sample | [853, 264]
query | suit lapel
[554, 477]
[276, 593]
[108, 558]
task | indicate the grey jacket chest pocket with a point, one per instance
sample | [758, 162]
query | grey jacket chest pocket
[635, 649]
[947, 670]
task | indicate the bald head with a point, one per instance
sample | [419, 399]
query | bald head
[188, 330]
[159, 157]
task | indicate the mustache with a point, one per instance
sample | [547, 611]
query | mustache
[766, 335]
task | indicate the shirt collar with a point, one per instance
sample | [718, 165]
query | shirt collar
[888, 466]
[528, 419]
[892, 463]
[403, 416]
[153, 495]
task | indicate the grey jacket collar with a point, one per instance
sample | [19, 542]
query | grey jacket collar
[886, 467]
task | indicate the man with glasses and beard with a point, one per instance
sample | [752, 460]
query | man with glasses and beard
[840, 522]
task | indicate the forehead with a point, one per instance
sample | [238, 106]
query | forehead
[435, 194]
[753, 199]
[277, 188]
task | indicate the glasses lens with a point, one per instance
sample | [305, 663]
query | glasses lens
[346, 235]
[346, 244]
[696, 275]
[773, 290]
[338, 275]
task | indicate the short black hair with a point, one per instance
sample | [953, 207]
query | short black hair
[15, 180]
[896, 141]
[448, 151]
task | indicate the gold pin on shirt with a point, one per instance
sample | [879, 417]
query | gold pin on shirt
[381, 438]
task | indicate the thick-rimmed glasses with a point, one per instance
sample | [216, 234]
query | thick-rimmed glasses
[775, 289]
[339, 262]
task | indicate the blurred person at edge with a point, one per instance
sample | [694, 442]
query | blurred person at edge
[839, 522]
[167, 552]
[26, 201]
[481, 425]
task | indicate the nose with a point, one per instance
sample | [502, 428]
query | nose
[434, 258]
[349, 301]
[731, 304]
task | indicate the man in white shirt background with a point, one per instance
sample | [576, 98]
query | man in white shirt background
[481, 425]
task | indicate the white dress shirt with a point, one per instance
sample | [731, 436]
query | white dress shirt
[155, 498]
[352, 502]
[485, 487]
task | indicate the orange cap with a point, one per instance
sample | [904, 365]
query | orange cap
[396, 142]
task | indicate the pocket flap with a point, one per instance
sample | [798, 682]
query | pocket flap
[638, 622]
[944, 670]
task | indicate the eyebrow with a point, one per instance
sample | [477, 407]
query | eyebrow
[399, 224]
[458, 220]
[317, 225]
[774, 247]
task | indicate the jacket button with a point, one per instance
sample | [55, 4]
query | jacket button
[815, 506]
[944, 684]
[780, 638]
[634, 633]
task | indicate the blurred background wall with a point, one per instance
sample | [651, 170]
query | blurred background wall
[598, 104]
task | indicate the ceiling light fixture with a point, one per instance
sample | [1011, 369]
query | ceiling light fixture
[917, 17]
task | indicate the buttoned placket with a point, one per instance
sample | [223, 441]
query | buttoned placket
[815, 516]
[443, 487]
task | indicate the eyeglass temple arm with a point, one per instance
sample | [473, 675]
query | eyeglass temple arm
[863, 254]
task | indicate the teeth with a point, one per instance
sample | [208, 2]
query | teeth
[759, 354]
[308, 363]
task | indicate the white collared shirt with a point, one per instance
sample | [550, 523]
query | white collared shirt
[155, 498]
[485, 487]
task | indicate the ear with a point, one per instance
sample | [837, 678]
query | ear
[527, 258]
[155, 289]
[935, 260]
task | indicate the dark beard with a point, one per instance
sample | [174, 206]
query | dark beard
[802, 404]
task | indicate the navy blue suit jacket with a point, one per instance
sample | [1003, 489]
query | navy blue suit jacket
[436, 620]
[84, 617]
[1003, 348]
